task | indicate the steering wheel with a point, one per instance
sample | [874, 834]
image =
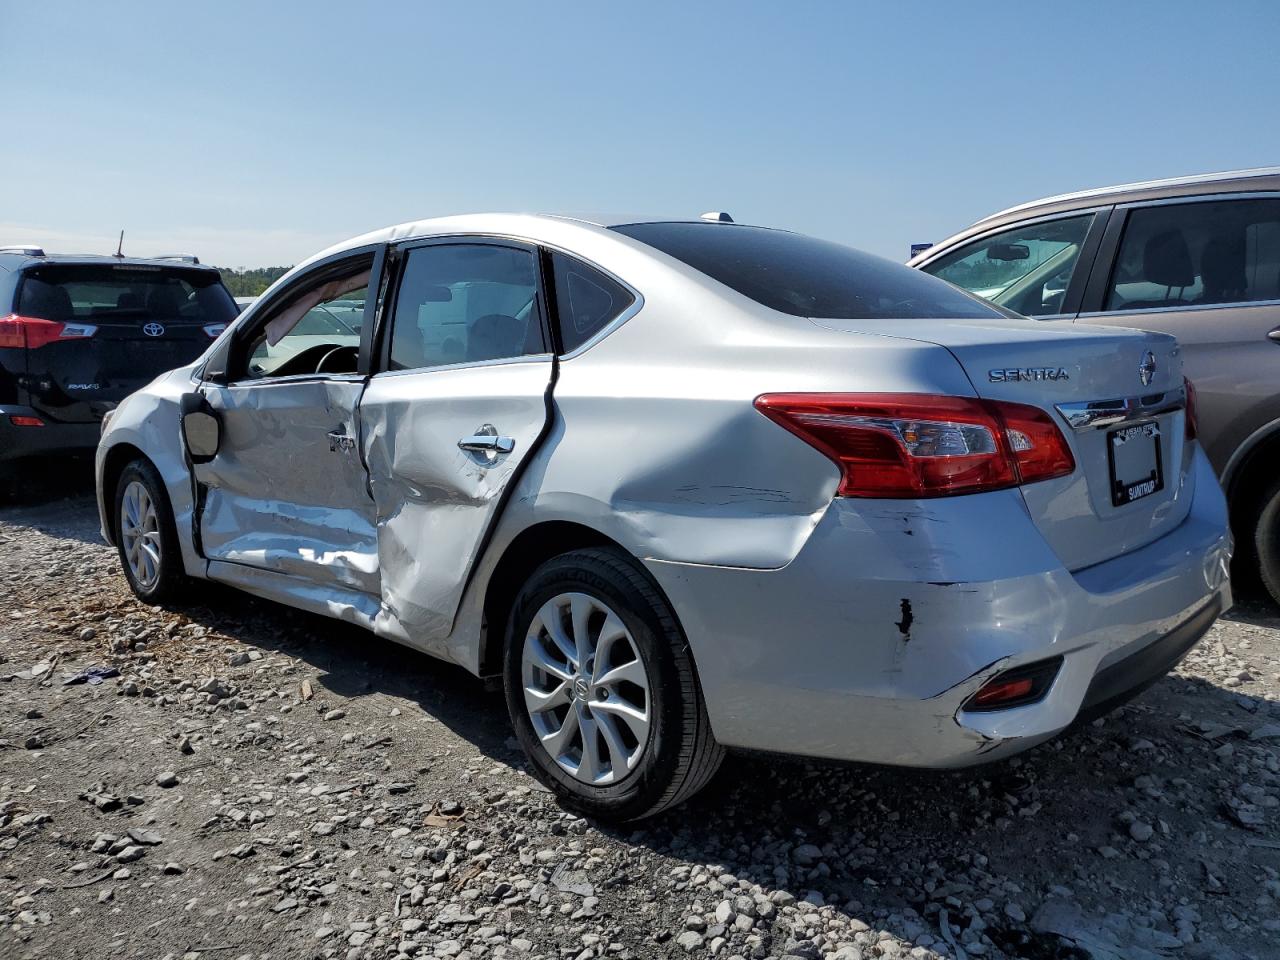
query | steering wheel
[337, 353]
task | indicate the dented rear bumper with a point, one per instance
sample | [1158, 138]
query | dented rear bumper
[868, 644]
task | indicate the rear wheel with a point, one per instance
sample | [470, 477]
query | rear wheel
[602, 690]
[146, 538]
[1266, 540]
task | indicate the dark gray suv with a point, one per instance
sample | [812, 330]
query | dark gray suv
[80, 333]
[1197, 257]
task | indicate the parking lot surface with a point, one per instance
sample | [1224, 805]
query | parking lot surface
[258, 782]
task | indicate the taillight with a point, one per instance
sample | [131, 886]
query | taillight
[1189, 414]
[920, 445]
[34, 332]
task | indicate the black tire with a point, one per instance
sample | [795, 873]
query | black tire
[171, 583]
[681, 755]
[1266, 540]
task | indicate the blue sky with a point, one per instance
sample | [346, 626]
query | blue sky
[257, 133]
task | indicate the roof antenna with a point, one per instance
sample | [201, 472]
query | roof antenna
[120, 246]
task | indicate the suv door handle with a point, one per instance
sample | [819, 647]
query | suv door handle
[1274, 335]
[486, 443]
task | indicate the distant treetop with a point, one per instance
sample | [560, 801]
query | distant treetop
[252, 282]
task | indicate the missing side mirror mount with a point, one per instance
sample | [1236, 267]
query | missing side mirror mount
[201, 428]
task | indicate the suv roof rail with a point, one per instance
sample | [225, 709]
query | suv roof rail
[23, 248]
[184, 257]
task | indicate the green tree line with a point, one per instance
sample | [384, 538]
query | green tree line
[252, 282]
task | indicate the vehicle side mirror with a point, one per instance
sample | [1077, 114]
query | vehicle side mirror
[1008, 251]
[201, 428]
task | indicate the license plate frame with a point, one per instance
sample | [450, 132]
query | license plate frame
[1135, 485]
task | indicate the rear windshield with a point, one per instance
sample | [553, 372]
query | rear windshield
[806, 277]
[128, 292]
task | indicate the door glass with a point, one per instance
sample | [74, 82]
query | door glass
[1026, 269]
[314, 331]
[466, 303]
[1190, 254]
[586, 300]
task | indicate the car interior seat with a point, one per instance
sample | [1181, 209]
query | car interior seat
[47, 301]
[495, 335]
[1222, 269]
[1166, 261]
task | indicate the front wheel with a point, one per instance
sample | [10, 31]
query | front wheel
[145, 535]
[1266, 541]
[602, 690]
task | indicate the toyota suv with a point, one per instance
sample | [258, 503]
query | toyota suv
[80, 333]
[1196, 257]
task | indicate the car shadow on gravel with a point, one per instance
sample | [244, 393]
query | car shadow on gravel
[52, 496]
[878, 844]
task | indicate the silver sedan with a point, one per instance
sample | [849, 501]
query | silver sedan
[688, 486]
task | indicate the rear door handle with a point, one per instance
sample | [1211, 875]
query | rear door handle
[1274, 335]
[487, 443]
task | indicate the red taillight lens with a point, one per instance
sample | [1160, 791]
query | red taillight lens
[1189, 418]
[919, 445]
[34, 332]
[20, 421]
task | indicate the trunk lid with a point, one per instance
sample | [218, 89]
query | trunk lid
[145, 319]
[1094, 376]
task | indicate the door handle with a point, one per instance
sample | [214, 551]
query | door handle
[1274, 335]
[487, 443]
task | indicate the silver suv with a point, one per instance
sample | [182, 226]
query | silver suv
[1197, 257]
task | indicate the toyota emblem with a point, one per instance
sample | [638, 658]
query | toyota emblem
[1147, 368]
[154, 329]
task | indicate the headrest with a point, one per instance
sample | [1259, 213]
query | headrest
[1167, 261]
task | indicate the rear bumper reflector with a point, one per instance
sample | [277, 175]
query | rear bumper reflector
[19, 421]
[1016, 687]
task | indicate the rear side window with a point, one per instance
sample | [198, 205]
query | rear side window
[124, 293]
[806, 277]
[1026, 269]
[587, 301]
[1191, 254]
[466, 303]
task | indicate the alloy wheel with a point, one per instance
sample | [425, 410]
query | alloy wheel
[586, 689]
[140, 534]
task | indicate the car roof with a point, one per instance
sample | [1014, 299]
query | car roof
[1231, 181]
[531, 226]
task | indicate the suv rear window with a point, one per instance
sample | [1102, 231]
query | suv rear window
[807, 277]
[129, 292]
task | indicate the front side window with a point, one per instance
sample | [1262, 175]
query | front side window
[466, 303]
[807, 277]
[1192, 254]
[1026, 269]
[314, 330]
[586, 300]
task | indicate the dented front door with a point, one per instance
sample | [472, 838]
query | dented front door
[287, 490]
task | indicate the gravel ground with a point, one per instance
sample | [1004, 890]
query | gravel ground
[259, 782]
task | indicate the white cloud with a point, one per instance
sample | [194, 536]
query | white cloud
[221, 247]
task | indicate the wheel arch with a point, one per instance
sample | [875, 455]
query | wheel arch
[113, 464]
[529, 549]
[1242, 479]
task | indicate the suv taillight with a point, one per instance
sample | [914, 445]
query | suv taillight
[920, 445]
[33, 332]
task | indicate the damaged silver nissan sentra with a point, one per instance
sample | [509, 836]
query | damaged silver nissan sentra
[689, 485]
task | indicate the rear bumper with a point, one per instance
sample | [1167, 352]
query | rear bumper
[868, 644]
[52, 439]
